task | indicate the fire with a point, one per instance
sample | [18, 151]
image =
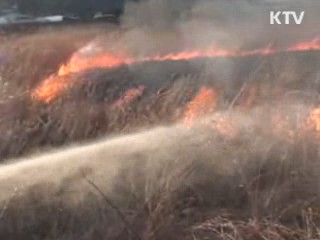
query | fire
[57, 83]
[51, 87]
[203, 103]
[213, 52]
[306, 46]
[129, 96]
[79, 63]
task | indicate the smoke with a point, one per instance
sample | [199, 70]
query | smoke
[153, 27]
[103, 161]
[162, 25]
[157, 26]
[158, 157]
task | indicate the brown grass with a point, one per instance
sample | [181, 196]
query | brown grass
[167, 184]
[171, 183]
[37, 54]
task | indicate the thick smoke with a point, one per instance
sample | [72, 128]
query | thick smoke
[153, 159]
[104, 161]
[162, 25]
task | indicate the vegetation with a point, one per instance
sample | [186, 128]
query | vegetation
[49, 7]
[174, 183]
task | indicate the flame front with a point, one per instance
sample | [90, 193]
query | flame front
[51, 87]
[306, 46]
[57, 83]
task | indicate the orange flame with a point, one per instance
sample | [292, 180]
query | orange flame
[51, 87]
[204, 102]
[306, 46]
[129, 96]
[213, 52]
[55, 84]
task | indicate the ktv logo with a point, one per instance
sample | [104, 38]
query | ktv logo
[286, 17]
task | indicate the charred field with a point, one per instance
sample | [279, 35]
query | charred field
[174, 147]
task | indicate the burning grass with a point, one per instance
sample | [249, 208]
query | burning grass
[242, 163]
[49, 89]
[30, 57]
[142, 95]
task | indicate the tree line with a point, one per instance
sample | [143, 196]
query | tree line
[47, 7]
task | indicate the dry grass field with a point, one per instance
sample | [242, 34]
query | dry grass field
[220, 148]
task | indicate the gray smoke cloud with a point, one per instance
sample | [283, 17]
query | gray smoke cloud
[163, 25]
